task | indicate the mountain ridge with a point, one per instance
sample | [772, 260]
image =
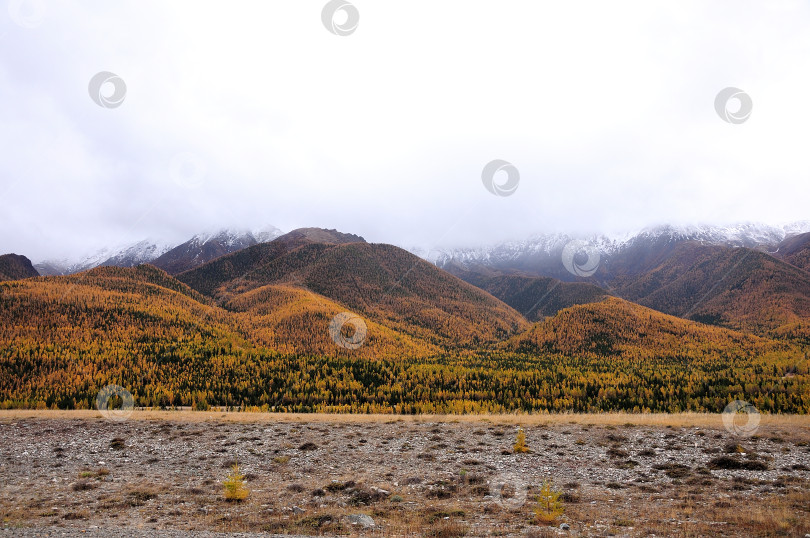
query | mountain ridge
[150, 250]
[15, 267]
[382, 282]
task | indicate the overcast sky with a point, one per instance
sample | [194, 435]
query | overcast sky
[244, 114]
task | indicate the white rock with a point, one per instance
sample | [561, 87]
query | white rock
[361, 519]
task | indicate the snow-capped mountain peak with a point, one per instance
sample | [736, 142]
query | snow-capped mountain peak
[540, 250]
[216, 241]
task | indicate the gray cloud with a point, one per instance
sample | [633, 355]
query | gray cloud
[607, 111]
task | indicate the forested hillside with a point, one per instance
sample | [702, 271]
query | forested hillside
[738, 288]
[381, 282]
[64, 338]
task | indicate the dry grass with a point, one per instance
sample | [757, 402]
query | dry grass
[600, 419]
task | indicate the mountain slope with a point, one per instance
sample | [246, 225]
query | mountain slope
[614, 327]
[63, 338]
[385, 283]
[122, 256]
[141, 252]
[796, 251]
[541, 255]
[618, 354]
[738, 288]
[173, 258]
[203, 248]
[534, 297]
[62, 335]
[15, 267]
[293, 320]
[722, 276]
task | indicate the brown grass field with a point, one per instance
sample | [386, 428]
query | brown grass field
[76, 472]
[801, 422]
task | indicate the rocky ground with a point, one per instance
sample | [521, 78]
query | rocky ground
[63, 475]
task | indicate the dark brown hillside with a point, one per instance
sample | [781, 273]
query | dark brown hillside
[302, 236]
[534, 297]
[385, 283]
[796, 251]
[15, 267]
[739, 288]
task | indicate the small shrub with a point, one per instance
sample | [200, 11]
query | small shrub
[83, 485]
[520, 442]
[139, 497]
[673, 470]
[234, 485]
[727, 462]
[450, 529]
[734, 448]
[549, 507]
[362, 497]
[281, 459]
[339, 486]
[433, 516]
[317, 522]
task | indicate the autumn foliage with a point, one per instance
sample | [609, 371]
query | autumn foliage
[267, 347]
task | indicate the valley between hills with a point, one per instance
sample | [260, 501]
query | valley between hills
[255, 329]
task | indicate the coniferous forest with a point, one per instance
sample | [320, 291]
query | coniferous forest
[259, 338]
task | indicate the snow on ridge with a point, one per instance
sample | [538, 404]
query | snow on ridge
[149, 249]
[237, 236]
[745, 234]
